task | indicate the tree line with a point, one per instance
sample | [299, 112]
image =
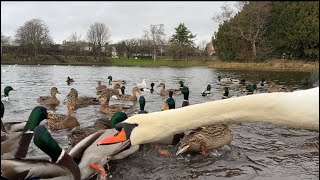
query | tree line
[34, 37]
[260, 30]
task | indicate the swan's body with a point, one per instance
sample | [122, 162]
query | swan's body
[299, 109]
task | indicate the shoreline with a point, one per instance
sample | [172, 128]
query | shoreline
[272, 65]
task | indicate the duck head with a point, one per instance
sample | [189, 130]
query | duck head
[152, 85]
[37, 115]
[142, 102]
[117, 117]
[162, 85]
[54, 91]
[170, 103]
[44, 141]
[181, 84]
[219, 78]
[226, 91]
[73, 92]
[7, 89]
[110, 79]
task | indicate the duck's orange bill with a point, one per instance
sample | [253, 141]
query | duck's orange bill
[115, 138]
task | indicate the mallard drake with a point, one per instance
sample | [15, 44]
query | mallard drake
[151, 90]
[61, 166]
[207, 92]
[116, 81]
[17, 143]
[110, 109]
[142, 102]
[298, 109]
[279, 88]
[170, 103]
[50, 100]
[132, 97]
[68, 122]
[83, 100]
[100, 87]
[205, 138]
[77, 134]
[225, 93]
[122, 89]
[88, 151]
[185, 92]
[6, 91]
[249, 89]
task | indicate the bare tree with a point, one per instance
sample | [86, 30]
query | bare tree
[98, 35]
[75, 41]
[33, 33]
[203, 47]
[156, 35]
[249, 23]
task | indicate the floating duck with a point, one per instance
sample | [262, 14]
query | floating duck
[207, 92]
[142, 102]
[279, 88]
[110, 109]
[69, 80]
[100, 87]
[298, 109]
[185, 92]
[116, 81]
[170, 103]
[17, 143]
[50, 100]
[6, 91]
[68, 122]
[61, 165]
[205, 138]
[132, 97]
[224, 80]
[83, 100]
[88, 150]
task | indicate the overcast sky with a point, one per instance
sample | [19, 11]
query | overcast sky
[124, 19]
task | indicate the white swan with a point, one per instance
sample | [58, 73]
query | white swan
[143, 84]
[298, 109]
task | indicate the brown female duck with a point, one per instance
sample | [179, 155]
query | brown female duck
[50, 100]
[132, 97]
[100, 87]
[110, 109]
[83, 100]
[279, 88]
[165, 92]
[64, 122]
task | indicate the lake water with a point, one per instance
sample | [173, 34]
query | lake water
[258, 150]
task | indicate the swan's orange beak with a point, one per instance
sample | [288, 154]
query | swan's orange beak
[115, 138]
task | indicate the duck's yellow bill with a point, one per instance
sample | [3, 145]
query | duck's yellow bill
[115, 138]
[50, 116]
[165, 107]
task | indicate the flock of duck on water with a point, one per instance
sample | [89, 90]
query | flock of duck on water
[195, 128]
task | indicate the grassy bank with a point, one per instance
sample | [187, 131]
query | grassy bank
[272, 65]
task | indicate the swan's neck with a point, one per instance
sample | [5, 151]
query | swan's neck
[295, 109]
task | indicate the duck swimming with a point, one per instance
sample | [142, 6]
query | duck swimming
[205, 138]
[298, 109]
[185, 92]
[69, 80]
[207, 92]
[170, 103]
[116, 81]
[142, 102]
[6, 91]
[50, 100]
[100, 87]
[17, 143]
[132, 97]
[110, 109]
[64, 122]
[279, 88]
[61, 166]
[88, 150]
[83, 100]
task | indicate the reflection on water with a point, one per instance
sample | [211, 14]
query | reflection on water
[258, 151]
